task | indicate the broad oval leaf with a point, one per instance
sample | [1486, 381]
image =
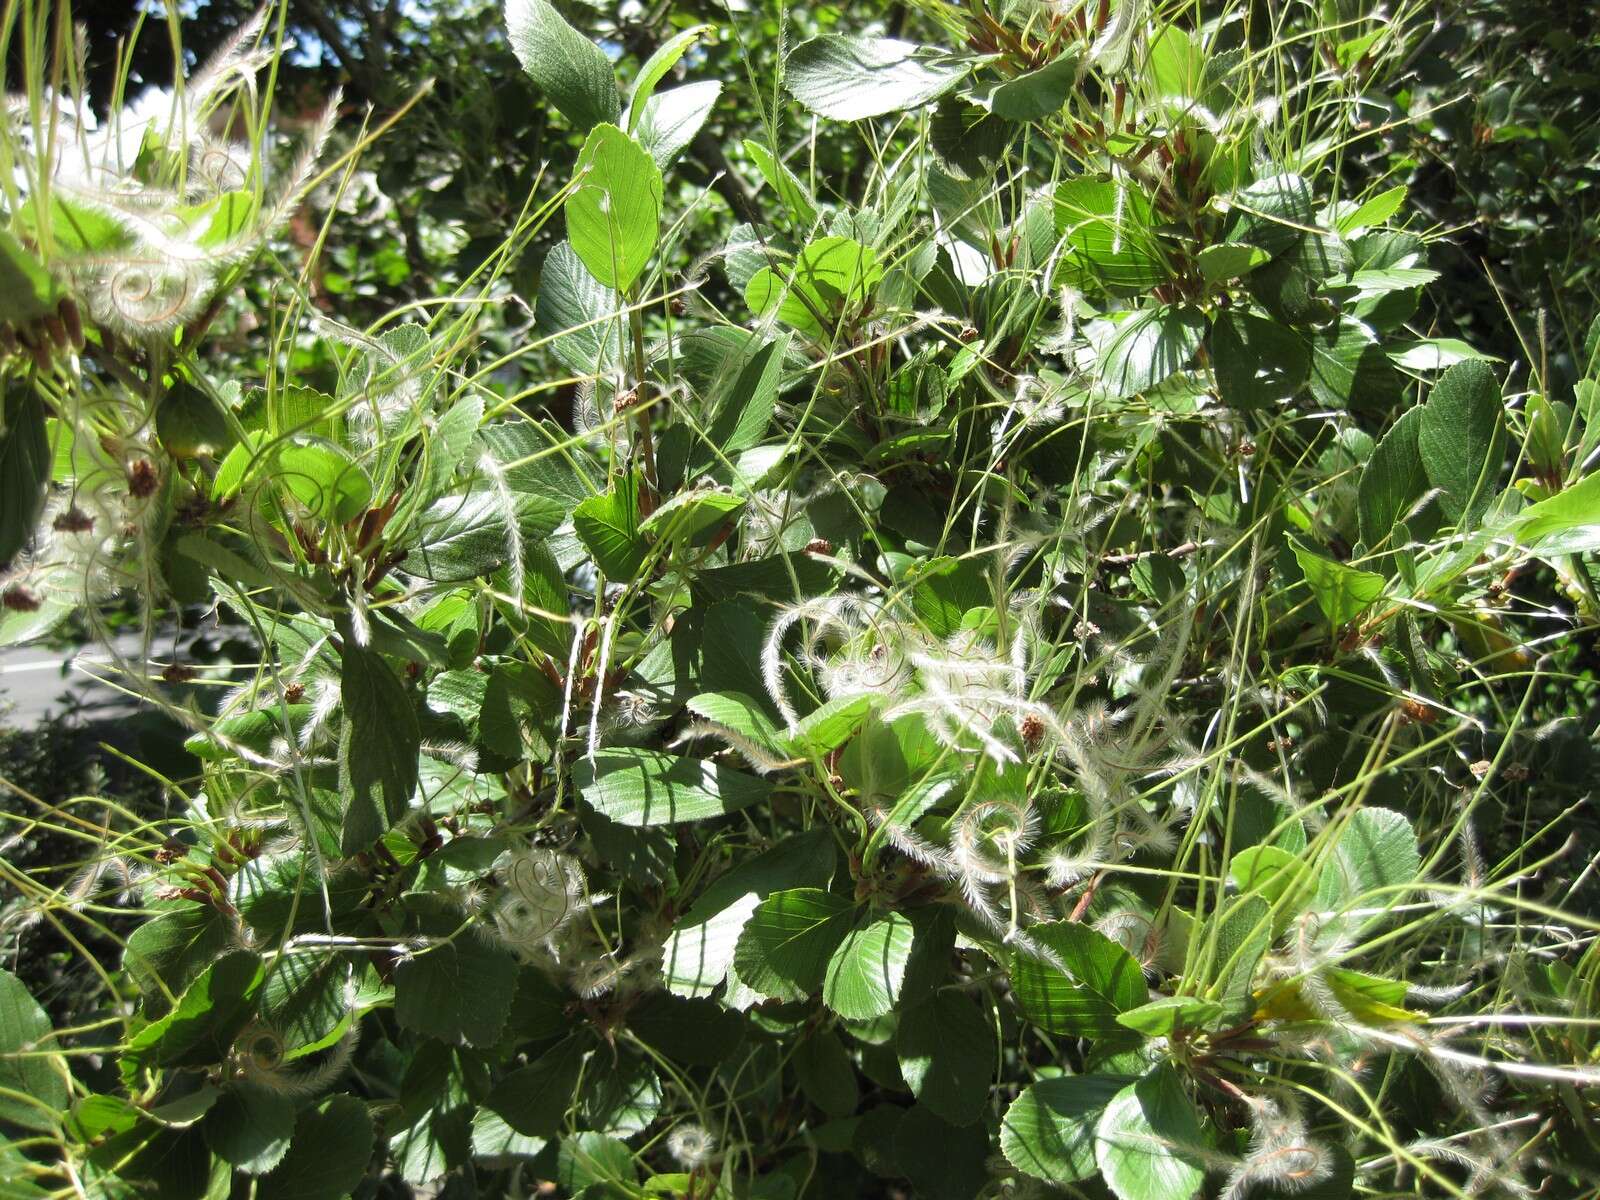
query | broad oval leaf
[378, 747]
[579, 314]
[868, 969]
[1341, 591]
[567, 67]
[1107, 227]
[325, 480]
[1148, 347]
[1148, 1143]
[650, 787]
[1101, 980]
[851, 77]
[1462, 439]
[33, 1078]
[789, 939]
[327, 1156]
[24, 469]
[1049, 1130]
[614, 210]
[947, 1052]
[670, 120]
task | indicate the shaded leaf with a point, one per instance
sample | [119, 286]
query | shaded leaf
[1049, 1130]
[947, 1053]
[1101, 980]
[789, 939]
[379, 741]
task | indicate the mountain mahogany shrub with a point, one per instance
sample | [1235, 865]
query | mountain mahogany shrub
[1007, 708]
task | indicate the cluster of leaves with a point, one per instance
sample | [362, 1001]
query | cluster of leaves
[992, 688]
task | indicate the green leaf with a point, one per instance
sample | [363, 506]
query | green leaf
[830, 725]
[614, 209]
[1373, 211]
[496, 1144]
[789, 939]
[743, 715]
[823, 1069]
[305, 997]
[789, 188]
[945, 589]
[1039, 93]
[1342, 592]
[190, 423]
[33, 1078]
[544, 467]
[567, 67]
[744, 410]
[595, 1166]
[700, 1033]
[1114, 47]
[701, 948]
[167, 952]
[623, 1099]
[1434, 354]
[1270, 871]
[214, 223]
[1374, 861]
[1243, 937]
[1108, 231]
[580, 313]
[608, 526]
[1350, 370]
[866, 972]
[671, 119]
[1462, 440]
[1151, 345]
[1258, 362]
[74, 228]
[534, 1100]
[649, 787]
[1101, 980]
[848, 78]
[691, 513]
[1049, 1130]
[655, 67]
[249, 1127]
[942, 1161]
[1393, 480]
[1566, 523]
[1175, 67]
[461, 537]
[831, 276]
[1166, 1014]
[200, 1029]
[378, 746]
[25, 465]
[328, 1155]
[1149, 1141]
[1229, 260]
[947, 1052]
[1274, 213]
[26, 290]
[325, 480]
[520, 708]
[457, 991]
